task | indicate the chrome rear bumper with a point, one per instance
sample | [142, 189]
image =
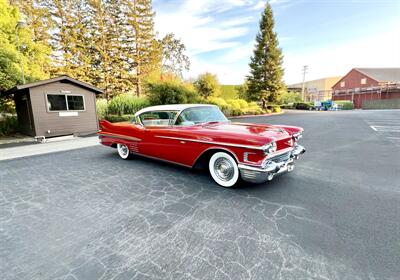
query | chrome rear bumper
[271, 167]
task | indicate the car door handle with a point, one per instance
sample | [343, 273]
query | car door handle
[183, 142]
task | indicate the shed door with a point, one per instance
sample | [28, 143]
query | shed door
[25, 116]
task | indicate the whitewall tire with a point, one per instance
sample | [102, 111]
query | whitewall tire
[123, 151]
[223, 169]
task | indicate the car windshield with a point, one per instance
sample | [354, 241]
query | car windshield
[196, 115]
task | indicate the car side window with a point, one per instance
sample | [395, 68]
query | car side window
[158, 118]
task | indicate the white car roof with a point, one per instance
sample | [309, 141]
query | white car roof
[172, 107]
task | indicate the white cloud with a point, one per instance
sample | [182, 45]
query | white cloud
[203, 27]
[237, 21]
[228, 73]
[239, 53]
[336, 60]
[200, 32]
[260, 5]
[381, 50]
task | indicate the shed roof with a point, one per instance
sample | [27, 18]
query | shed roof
[52, 80]
[381, 74]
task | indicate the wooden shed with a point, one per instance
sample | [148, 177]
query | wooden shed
[55, 107]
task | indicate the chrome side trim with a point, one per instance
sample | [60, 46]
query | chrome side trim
[213, 143]
[113, 135]
[160, 159]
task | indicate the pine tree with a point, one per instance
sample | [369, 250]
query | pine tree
[80, 41]
[71, 42]
[265, 79]
[121, 70]
[60, 11]
[143, 49]
[101, 52]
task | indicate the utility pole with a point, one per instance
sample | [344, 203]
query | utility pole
[304, 71]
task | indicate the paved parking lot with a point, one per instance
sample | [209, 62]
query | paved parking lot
[85, 214]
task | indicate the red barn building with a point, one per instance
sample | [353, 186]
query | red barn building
[368, 84]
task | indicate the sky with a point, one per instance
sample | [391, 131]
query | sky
[328, 36]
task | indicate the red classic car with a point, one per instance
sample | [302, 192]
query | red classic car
[200, 136]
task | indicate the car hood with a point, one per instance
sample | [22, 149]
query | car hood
[248, 134]
[250, 129]
[240, 133]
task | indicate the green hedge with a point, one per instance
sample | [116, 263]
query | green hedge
[8, 125]
[124, 104]
[161, 93]
[120, 118]
[274, 108]
[228, 92]
[344, 104]
[304, 105]
[101, 108]
[237, 107]
[288, 106]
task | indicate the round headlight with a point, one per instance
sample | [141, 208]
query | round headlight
[270, 148]
[297, 136]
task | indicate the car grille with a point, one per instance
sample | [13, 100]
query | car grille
[280, 158]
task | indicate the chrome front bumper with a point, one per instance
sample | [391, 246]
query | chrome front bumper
[272, 167]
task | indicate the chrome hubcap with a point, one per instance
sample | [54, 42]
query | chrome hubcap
[223, 168]
[124, 150]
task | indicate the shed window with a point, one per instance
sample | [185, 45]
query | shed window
[363, 81]
[56, 102]
[342, 84]
[65, 102]
[75, 102]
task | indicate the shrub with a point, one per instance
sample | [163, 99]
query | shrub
[289, 97]
[253, 108]
[120, 118]
[8, 125]
[345, 104]
[7, 105]
[101, 108]
[229, 91]
[235, 107]
[274, 108]
[126, 104]
[221, 103]
[241, 90]
[161, 93]
[277, 109]
[304, 105]
[288, 106]
[207, 85]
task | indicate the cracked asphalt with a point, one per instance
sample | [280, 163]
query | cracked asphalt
[85, 214]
